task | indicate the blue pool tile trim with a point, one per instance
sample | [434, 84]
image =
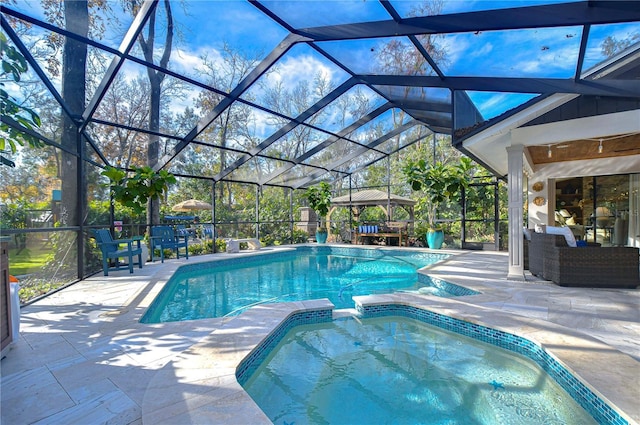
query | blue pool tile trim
[249, 364]
[448, 289]
[589, 401]
[333, 250]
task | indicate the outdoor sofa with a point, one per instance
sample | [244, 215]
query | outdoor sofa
[551, 258]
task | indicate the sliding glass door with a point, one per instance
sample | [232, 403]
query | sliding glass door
[609, 210]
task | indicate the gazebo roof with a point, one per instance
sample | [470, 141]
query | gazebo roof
[371, 197]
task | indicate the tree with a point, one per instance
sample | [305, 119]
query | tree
[74, 59]
[147, 43]
[30, 182]
[75, 17]
[398, 58]
[135, 191]
[233, 123]
[124, 103]
[319, 198]
[292, 102]
[14, 65]
[611, 45]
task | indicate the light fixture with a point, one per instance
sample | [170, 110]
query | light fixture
[600, 147]
[549, 152]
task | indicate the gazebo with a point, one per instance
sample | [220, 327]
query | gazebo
[358, 201]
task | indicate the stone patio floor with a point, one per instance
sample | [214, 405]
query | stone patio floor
[82, 357]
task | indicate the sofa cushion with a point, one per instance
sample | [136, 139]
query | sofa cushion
[564, 231]
[540, 228]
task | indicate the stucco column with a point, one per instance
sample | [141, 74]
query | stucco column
[516, 239]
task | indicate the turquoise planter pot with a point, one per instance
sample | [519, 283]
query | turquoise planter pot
[321, 237]
[435, 238]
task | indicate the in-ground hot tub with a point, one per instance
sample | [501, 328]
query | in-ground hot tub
[395, 369]
[202, 384]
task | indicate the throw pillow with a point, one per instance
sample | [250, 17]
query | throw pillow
[564, 231]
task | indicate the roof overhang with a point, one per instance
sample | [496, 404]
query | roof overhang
[491, 148]
[490, 145]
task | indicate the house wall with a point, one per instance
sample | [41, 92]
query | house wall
[581, 128]
[548, 174]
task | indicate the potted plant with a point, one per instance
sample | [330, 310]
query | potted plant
[440, 183]
[319, 198]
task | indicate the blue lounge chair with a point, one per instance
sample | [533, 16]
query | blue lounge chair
[207, 231]
[163, 237]
[111, 250]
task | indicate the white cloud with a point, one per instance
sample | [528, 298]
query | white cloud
[293, 70]
[528, 67]
[185, 61]
[484, 50]
[187, 99]
[189, 62]
[456, 47]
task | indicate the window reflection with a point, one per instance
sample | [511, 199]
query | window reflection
[602, 209]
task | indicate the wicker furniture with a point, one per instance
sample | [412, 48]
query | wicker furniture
[589, 266]
[535, 254]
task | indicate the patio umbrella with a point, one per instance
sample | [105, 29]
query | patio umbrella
[191, 205]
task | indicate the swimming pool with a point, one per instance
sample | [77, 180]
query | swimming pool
[394, 369]
[230, 286]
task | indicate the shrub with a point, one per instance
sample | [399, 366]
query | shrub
[196, 249]
[221, 245]
[300, 236]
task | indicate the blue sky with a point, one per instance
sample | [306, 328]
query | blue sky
[204, 26]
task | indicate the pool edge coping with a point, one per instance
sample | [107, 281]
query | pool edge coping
[200, 384]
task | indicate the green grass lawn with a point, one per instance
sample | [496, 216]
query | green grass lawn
[28, 260]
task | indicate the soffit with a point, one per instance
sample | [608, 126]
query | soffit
[574, 150]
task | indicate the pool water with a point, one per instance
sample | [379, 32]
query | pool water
[224, 288]
[400, 370]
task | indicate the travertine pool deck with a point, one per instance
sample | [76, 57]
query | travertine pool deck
[83, 358]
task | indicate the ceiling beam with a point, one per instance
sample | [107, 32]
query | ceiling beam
[235, 94]
[342, 134]
[359, 152]
[544, 16]
[128, 42]
[600, 87]
[315, 108]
